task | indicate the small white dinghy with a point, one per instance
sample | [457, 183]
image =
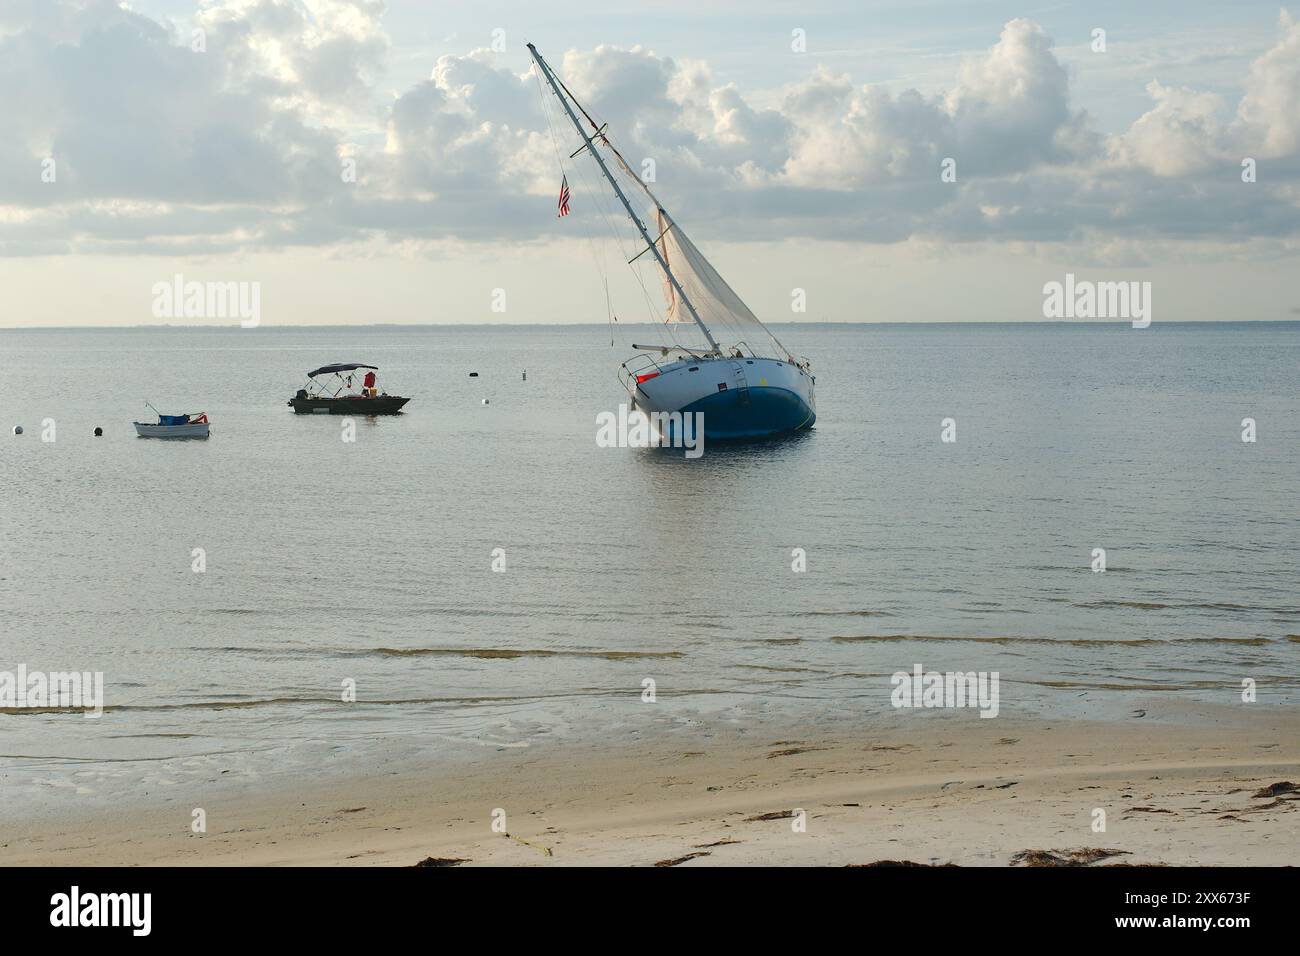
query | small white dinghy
[173, 426]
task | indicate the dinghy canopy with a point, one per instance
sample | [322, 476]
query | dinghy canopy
[325, 369]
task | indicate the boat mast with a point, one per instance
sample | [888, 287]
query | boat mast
[600, 161]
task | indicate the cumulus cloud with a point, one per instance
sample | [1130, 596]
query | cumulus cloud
[1189, 131]
[241, 146]
[1011, 108]
[1182, 134]
[126, 109]
[1268, 115]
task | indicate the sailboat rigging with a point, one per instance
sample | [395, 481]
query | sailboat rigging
[744, 390]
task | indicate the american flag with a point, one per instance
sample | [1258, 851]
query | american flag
[564, 197]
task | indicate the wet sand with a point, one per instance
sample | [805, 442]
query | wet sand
[943, 789]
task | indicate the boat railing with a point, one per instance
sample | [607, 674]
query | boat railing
[650, 363]
[631, 372]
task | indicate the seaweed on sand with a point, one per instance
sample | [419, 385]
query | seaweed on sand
[681, 859]
[1085, 856]
[1273, 789]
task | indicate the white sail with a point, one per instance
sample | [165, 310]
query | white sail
[673, 308]
[716, 303]
[714, 300]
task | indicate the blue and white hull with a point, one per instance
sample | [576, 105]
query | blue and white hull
[740, 398]
[155, 430]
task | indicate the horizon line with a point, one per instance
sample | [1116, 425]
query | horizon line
[543, 325]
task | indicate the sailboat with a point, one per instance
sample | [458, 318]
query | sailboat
[743, 380]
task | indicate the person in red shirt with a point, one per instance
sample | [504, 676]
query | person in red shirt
[368, 386]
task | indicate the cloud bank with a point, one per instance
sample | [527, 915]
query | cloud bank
[241, 137]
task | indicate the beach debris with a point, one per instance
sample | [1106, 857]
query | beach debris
[441, 861]
[1273, 789]
[1147, 810]
[1084, 856]
[876, 863]
[677, 861]
[1005, 786]
[790, 752]
[352, 809]
[774, 815]
[1008, 741]
[536, 846]
[722, 842]
[1277, 804]
[1138, 713]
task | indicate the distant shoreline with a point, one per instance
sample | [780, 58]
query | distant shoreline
[394, 326]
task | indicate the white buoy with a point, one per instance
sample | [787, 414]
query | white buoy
[18, 429]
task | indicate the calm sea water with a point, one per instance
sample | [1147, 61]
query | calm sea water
[371, 561]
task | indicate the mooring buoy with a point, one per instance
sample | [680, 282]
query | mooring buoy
[99, 432]
[18, 429]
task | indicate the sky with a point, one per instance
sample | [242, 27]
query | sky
[363, 161]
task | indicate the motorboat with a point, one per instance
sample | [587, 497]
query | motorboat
[340, 390]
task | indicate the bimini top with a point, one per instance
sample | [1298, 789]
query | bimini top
[324, 369]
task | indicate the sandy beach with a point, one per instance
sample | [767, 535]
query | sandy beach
[968, 792]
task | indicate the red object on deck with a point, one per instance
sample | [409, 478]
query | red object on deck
[370, 380]
[647, 376]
